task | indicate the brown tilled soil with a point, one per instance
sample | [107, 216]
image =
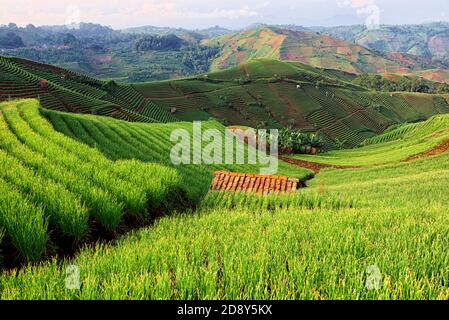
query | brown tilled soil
[314, 166]
[439, 149]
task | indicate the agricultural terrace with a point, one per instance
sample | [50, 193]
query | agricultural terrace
[58, 192]
[399, 143]
[65, 90]
[315, 244]
[274, 94]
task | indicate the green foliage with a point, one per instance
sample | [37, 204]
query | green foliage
[313, 244]
[68, 91]
[294, 141]
[396, 144]
[11, 40]
[444, 88]
[158, 43]
[252, 247]
[402, 83]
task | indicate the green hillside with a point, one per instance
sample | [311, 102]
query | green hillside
[262, 93]
[269, 93]
[318, 243]
[64, 90]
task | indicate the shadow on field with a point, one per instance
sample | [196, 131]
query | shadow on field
[176, 201]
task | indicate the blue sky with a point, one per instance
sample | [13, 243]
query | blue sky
[234, 14]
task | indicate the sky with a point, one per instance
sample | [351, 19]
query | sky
[234, 14]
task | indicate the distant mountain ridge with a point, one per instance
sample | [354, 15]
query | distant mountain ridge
[100, 51]
[429, 40]
[316, 49]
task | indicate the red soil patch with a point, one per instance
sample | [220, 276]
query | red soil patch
[439, 149]
[314, 166]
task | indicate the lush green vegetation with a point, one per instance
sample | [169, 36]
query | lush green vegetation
[72, 176]
[261, 94]
[70, 185]
[158, 43]
[415, 50]
[110, 54]
[394, 83]
[67, 183]
[316, 244]
[10, 40]
[294, 141]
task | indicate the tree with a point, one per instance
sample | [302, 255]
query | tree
[444, 88]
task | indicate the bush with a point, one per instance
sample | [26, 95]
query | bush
[294, 141]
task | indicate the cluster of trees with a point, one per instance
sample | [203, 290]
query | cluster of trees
[406, 84]
[51, 55]
[158, 43]
[197, 58]
[10, 40]
[294, 141]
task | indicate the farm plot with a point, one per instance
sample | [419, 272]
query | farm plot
[66, 184]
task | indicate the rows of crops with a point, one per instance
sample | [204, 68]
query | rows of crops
[63, 90]
[278, 93]
[419, 129]
[57, 186]
[151, 143]
[318, 245]
[397, 143]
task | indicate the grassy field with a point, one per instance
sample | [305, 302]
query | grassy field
[320, 243]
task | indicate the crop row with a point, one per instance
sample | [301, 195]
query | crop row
[71, 182]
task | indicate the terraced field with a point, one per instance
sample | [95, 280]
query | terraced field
[399, 143]
[262, 94]
[57, 191]
[64, 90]
[320, 243]
[267, 93]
